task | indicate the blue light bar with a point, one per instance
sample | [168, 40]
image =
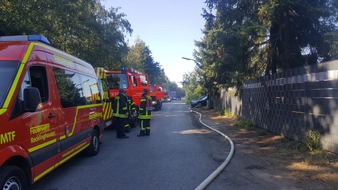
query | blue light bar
[38, 38]
[123, 69]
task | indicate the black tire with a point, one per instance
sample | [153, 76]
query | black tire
[156, 107]
[12, 177]
[94, 147]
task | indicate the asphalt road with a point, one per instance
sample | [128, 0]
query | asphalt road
[178, 155]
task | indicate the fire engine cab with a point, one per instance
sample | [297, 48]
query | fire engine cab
[131, 80]
[157, 95]
[50, 109]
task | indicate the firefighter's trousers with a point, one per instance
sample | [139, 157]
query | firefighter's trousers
[145, 126]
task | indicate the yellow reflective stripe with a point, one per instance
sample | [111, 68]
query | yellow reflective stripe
[65, 62]
[30, 150]
[100, 73]
[72, 153]
[22, 66]
[117, 113]
[17, 77]
[120, 115]
[103, 74]
[2, 111]
[43, 173]
[117, 104]
[79, 147]
[74, 124]
[142, 125]
[89, 106]
[95, 115]
[144, 116]
[105, 96]
[77, 111]
[107, 110]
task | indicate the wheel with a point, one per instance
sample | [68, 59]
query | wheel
[157, 107]
[94, 146]
[160, 102]
[12, 177]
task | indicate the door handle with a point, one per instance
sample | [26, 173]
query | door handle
[50, 116]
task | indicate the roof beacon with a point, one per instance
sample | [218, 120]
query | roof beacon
[39, 38]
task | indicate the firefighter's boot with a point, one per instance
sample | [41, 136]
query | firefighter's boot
[142, 133]
[148, 132]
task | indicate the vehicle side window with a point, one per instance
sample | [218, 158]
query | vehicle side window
[39, 80]
[143, 80]
[35, 77]
[134, 81]
[90, 90]
[76, 89]
[68, 84]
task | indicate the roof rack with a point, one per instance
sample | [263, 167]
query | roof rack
[38, 38]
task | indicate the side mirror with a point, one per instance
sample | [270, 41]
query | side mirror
[32, 99]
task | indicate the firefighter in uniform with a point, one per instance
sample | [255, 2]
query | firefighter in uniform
[145, 114]
[131, 110]
[120, 113]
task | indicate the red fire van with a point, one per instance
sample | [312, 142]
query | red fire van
[50, 109]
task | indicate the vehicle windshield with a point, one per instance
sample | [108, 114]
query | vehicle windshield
[8, 70]
[117, 81]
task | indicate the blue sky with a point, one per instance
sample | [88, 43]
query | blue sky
[168, 27]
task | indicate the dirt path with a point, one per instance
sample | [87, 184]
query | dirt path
[263, 160]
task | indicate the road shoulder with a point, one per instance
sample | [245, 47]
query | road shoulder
[264, 160]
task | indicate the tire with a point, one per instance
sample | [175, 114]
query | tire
[94, 147]
[160, 102]
[156, 107]
[12, 177]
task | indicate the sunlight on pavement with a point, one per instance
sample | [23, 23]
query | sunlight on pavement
[193, 131]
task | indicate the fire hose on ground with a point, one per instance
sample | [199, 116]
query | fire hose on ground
[214, 174]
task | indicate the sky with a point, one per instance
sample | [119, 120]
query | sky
[168, 27]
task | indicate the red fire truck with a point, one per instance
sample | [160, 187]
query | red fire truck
[131, 80]
[157, 95]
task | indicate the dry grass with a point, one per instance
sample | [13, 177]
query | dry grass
[285, 154]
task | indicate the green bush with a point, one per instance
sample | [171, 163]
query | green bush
[244, 124]
[311, 141]
[225, 112]
[262, 132]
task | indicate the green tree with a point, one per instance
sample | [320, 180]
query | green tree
[246, 39]
[140, 58]
[297, 32]
[83, 28]
[228, 48]
[192, 86]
